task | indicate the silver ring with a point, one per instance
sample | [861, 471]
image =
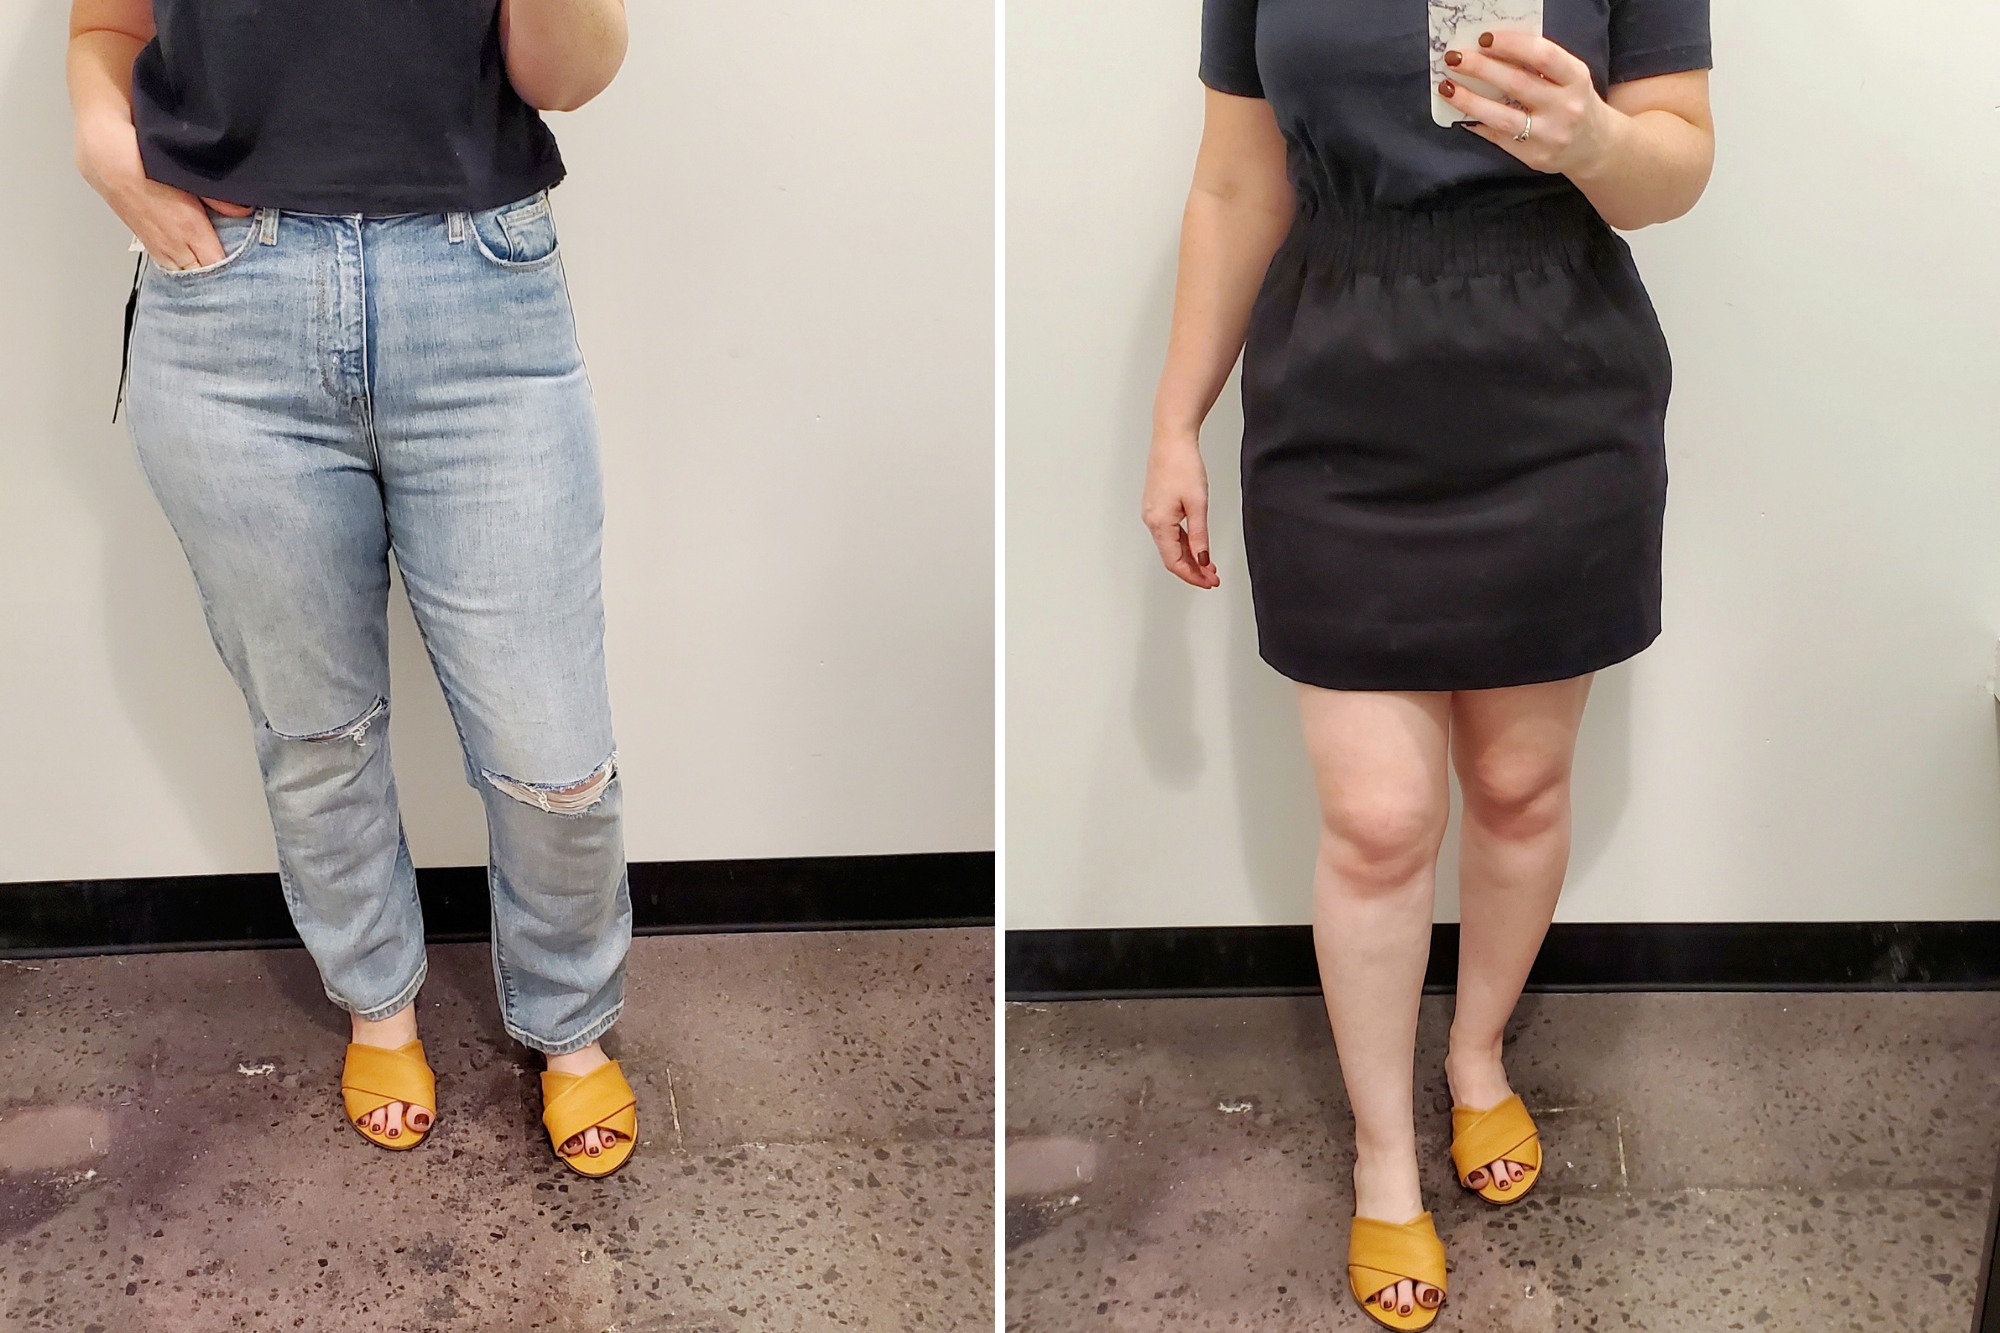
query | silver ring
[1527, 126]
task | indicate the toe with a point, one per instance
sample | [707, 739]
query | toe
[1428, 1296]
[395, 1130]
[1476, 1177]
[591, 1143]
[1404, 1296]
[571, 1147]
[379, 1121]
[1501, 1179]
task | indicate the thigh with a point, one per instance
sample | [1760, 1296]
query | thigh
[1379, 759]
[1515, 741]
[489, 459]
[266, 477]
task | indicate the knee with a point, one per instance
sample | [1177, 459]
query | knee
[569, 799]
[1380, 841]
[1515, 796]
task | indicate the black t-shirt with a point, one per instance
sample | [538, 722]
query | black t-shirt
[1350, 82]
[337, 106]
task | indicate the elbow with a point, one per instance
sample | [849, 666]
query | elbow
[558, 102]
[1651, 212]
[563, 95]
[1637, 221]
[567, 89]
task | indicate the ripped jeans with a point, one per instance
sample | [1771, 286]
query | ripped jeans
[339, 388]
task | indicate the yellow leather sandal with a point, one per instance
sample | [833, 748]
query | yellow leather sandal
[1381, 1254]
[1503, 1131]
[374, 1076]
[572, 1103]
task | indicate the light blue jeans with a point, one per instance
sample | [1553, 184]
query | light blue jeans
[339, 388]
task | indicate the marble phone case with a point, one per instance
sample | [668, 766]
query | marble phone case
[1456, 25]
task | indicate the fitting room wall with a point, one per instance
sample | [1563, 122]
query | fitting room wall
[778, 233]
[1814, 737]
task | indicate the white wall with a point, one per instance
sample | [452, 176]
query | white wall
[778, 232]
[1812, 739]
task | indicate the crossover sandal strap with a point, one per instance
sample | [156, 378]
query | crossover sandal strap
[374, 1076]
[1381, 1254]
[571, 1104]
[1479, 1137]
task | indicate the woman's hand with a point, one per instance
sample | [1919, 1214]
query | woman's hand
[172, 224]
[1571, 130]
[1641, 154]
[1177, 491]
[104, 38]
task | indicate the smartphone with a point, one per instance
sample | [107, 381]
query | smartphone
[1455, 26]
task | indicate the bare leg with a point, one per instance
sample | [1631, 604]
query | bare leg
[1380, 763]
[1513, 749]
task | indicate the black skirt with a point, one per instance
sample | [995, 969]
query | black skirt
[1454, 462]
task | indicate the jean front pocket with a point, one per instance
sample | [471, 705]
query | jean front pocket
[519, 235]
[237, 236]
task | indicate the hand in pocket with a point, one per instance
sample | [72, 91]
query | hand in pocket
[170, 223]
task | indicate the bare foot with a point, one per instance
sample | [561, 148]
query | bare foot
[399, 1029]
[1386, 1188]
[595, 1140]
[1478, 1080]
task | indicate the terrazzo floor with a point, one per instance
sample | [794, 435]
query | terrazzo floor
[816, 1125]
[1812, 1162]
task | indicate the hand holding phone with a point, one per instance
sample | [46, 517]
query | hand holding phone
[1455, 25]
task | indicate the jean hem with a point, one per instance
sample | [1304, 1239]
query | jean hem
[597, 1029]
[404, 998]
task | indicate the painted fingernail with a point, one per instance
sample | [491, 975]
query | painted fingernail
[1204, 559]
[1452, 58]
[1446, 89]
[1486, 39]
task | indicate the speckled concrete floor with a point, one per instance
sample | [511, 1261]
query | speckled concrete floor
[816, 1149]
[1762, 1162]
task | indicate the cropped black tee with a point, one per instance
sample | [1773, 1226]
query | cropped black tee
[1349, 81]
[337, 106]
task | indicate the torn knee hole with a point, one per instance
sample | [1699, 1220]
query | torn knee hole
[559, 799]
[356, 730]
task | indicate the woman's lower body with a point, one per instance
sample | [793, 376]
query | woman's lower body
[340, 389]
[1454, 482]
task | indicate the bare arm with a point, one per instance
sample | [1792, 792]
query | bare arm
[1661, 147]
[105, 36]
[1238, 212]
[1641, 154]
[562, 53]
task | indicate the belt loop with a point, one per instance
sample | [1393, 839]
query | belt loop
[267, 226]
[454, 227]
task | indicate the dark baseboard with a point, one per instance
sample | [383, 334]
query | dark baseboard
[1278, 960]
[55, 918]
